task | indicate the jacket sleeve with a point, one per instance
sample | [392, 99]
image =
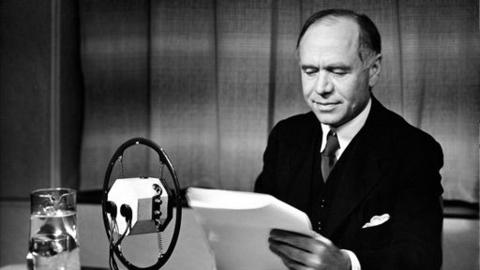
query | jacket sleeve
[265, 182]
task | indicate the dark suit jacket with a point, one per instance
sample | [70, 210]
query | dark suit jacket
[393, 168]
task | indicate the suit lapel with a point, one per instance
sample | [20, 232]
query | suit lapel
[367, 157]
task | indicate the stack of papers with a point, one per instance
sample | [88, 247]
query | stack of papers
[237, 225]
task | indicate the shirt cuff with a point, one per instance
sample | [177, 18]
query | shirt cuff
[355, 263]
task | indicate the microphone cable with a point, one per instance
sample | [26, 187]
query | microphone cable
[126, 212]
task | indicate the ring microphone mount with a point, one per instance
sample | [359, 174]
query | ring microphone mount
[140, 205]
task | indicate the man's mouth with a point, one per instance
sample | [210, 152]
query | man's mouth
[324, 106]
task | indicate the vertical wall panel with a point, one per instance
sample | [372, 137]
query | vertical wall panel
[441, 59]
[115, 68]
[288, 89]
[243, 34]
[25, 97]
[27, 81]
[71, 95]
[184, 116]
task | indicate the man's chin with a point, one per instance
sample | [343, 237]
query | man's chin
[328, 119]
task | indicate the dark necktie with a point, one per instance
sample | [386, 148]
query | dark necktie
[328, 154]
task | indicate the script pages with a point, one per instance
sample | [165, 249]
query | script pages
[237, 225]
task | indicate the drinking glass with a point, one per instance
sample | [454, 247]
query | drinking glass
[53, 242]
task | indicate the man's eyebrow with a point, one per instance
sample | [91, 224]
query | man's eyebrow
[328, 66]
[338, 66]
[303, 67]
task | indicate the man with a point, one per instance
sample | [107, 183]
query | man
[368, 180]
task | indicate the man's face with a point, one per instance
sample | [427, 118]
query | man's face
[335, 82]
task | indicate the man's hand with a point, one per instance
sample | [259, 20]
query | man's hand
[299, 251]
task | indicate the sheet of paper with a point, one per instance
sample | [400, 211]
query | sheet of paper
[237, 225]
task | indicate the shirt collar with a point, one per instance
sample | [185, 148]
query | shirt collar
[347, 131]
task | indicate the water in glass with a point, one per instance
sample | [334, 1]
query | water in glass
[53, 233]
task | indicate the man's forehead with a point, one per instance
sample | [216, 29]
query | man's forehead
[332, 31]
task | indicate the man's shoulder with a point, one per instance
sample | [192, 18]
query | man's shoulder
[296, 129]
[406, 135]
[296, 123]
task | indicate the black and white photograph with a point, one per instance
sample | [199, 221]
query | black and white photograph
[239, 134]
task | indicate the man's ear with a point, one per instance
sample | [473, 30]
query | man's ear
[374, 70]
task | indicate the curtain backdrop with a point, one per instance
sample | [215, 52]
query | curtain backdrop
[207, 80]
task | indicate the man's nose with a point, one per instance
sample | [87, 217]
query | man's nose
[323, 84]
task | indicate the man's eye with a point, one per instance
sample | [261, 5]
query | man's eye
[310, 71]
[339, 72]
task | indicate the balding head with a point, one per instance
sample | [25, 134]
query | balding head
[369, 40]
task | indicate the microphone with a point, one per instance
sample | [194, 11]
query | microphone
[145, 201]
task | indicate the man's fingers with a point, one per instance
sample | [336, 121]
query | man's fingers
[283, 233]
[294, 256]
[310, 251]
[300, 241]
[289, 262]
